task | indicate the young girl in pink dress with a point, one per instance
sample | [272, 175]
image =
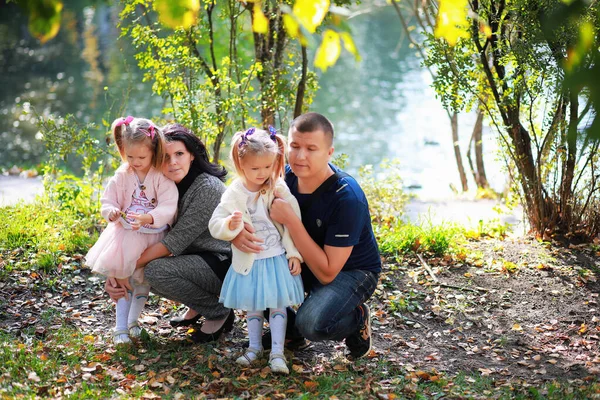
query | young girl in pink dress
[139, 204]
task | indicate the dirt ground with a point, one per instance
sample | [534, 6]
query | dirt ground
[513, 309]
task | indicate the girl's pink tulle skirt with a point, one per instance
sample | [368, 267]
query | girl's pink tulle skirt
[117, 250]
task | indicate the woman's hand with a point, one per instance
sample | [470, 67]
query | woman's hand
[117, 288]
[246, 241]
[295, 266]
[235, 221]
[140, 220]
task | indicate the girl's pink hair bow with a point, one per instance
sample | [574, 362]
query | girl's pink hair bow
[150, 132]
[125, 121]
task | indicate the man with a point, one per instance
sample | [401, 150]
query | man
[335, 237]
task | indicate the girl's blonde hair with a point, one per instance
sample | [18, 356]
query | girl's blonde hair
[259, 142]
[132, 131]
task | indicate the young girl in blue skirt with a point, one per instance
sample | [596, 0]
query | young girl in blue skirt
[270, 279]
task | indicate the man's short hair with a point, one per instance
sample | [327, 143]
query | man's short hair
[311, 122]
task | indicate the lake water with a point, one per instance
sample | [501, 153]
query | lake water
[382, 107]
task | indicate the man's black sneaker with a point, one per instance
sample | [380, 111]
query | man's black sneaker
[291, 342]
[359, 343]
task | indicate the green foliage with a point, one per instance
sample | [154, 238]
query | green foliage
[212, 77]
[405, 302]
[64, 220]
[44, 17]
[514, 66]
[406, 238]
[386, 197]
[43, 232]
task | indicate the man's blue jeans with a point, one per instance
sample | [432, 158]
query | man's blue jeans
[330, 311]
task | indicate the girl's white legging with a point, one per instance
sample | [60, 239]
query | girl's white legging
[277, 322]
[129, 311]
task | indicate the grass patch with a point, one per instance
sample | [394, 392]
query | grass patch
[36, 236]
[406, 238]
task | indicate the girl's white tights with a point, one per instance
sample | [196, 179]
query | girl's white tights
[128, 311]
[277, 322]
[255, 322]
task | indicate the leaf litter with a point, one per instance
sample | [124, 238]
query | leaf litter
[516, 311]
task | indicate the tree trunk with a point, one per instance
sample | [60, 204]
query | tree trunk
[568, 170]
[457, 155]
[301, 85]
[477, 137]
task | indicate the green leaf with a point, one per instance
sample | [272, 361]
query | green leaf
[44, 18]
[177, 13]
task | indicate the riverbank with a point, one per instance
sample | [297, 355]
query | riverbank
[15, 188]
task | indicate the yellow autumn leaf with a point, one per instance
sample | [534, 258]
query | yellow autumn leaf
[310, 13]
[293, 29]
[452, 21]
[89, 339]
[329, 50]
[177, 13]
[291, 26]
[349, 44]
[260, 23]
[517, 327]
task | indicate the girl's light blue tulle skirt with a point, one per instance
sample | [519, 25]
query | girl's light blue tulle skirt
[269, 284]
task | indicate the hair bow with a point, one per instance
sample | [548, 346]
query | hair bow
[244, 140]
[125, 121]
[273, 134]
[150, 132]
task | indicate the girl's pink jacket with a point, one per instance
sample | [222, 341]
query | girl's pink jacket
[159, 190]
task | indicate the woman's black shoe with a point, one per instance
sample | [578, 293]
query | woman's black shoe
[182, 321]
[201, 337]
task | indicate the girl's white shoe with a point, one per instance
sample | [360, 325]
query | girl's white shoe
[135, 331]
[278, 363]
[121, 337]
[249, 356]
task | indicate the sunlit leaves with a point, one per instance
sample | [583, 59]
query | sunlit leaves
[260, 23]
[329, 51]
[44, 18]
[349, 44]
[586, 40]
[177, 13]
[311, 13]
[452, 22]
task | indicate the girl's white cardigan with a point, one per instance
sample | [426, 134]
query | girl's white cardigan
[234, 199]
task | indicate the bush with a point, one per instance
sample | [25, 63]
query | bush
[387, 199]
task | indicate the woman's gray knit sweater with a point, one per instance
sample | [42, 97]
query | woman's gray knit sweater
[189, 234]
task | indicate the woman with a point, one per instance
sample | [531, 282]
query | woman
[194, 274]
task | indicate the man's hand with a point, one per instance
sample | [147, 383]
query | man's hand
[235, 221]
[246, 241]
[295, 266]
[117, 288]
[140, 220]
[281, 211]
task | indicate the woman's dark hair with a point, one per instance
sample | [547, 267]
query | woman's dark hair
[193, 144]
